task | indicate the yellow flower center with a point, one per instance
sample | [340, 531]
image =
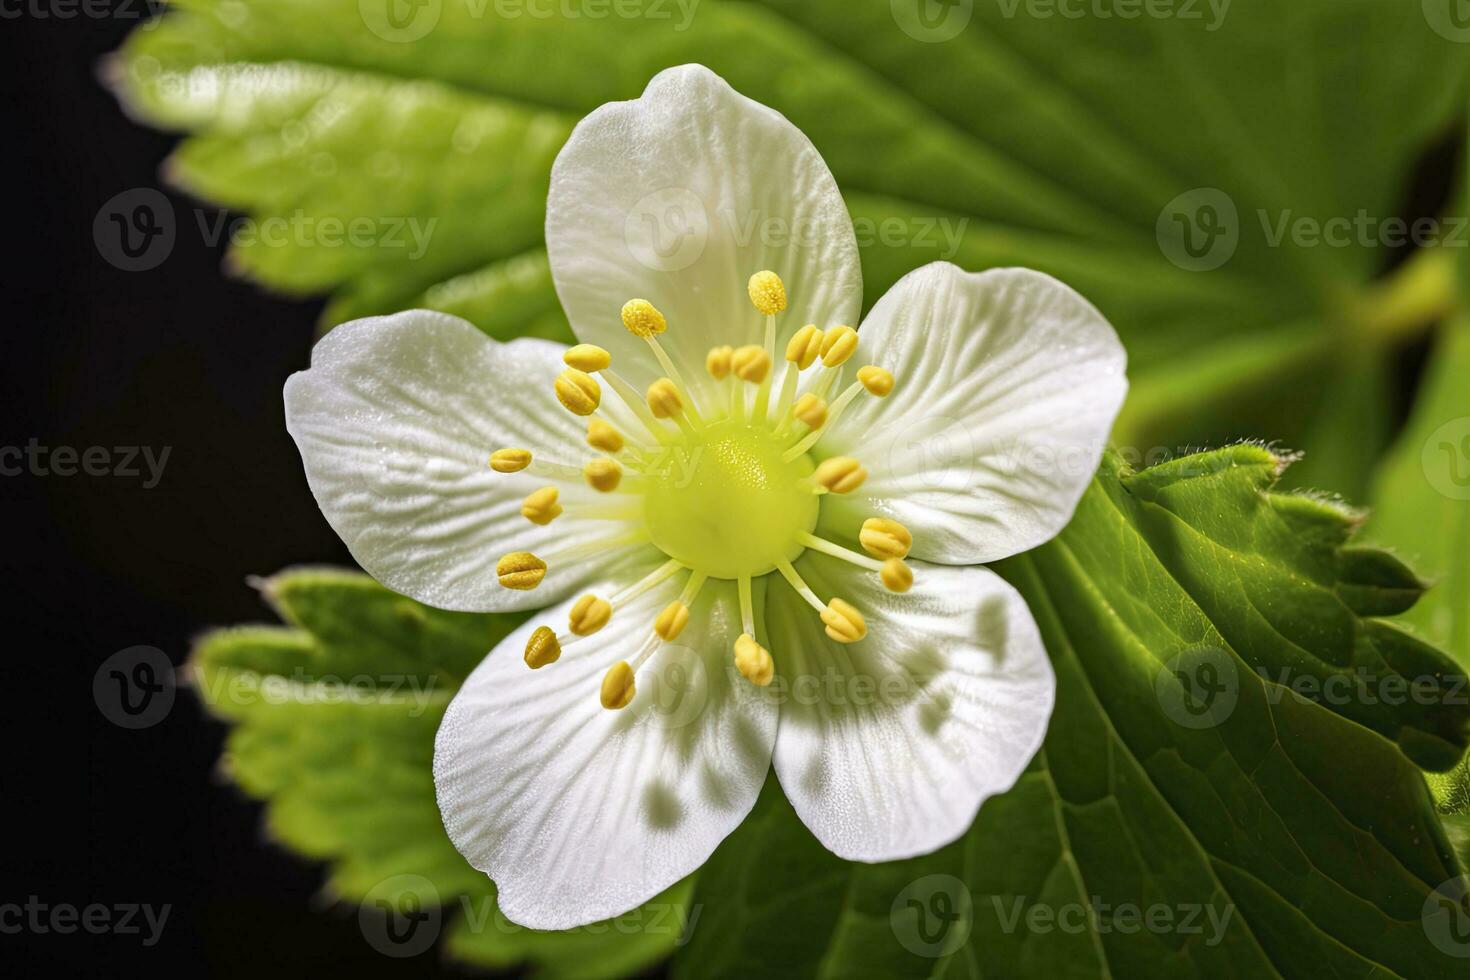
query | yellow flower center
[728, 490]
[726, 504]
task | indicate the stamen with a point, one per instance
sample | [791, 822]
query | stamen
[663, 399]
[510, 460]
[838, 344]
[878, 381]
[747, 607]
[578, 391]
[587, 357]
[754, 661]
[804, 346]
[588, 615]
[844, 623]
[542, 648]
[675, 617]
[648, 581]
[802, 589]
[541, 507]
[763, 393]
[717, 362]
[603, 474]
[885, 538]
[896, 576]
[631, 398]
[811, 410]
[643, 319]
[601, 435]
[650, 644]
[833, 414]
[840, 474]
[751, 363]
[617, 686]
[677, 379]
[671, 622]
[520, 570]
[815, 543]
[751, 659]
[767, 292]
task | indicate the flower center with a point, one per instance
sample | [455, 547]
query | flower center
[727, 504]
[729, 490]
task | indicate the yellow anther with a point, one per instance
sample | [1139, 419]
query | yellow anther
[803, 348]
[520, 570]
[589, 614]
[896, 576]
[838, 344]
[603, 474]
[672, 620]
[717, 361]
[617, 686]
[602, 436]
[754, 661]
[811, 409]
[877, 380]
[510, 460]
[643, 319]
[884, 538]
[844, 623]
[587, 357]
[540, 506]
[840, 474]
[663, 399]
[751, 363]
[578, 391]
[767, 292]
[542, 648]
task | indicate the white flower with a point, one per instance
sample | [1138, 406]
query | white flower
[734, 478]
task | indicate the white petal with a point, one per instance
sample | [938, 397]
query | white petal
[396, 420]
[678, 197]
[580, 813]
[888, 746]
[1008, 383]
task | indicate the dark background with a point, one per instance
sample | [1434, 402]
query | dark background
[178, 356]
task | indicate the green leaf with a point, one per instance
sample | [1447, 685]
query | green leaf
[1026, 138]
[1201, 763]
[333, 721]
[1422, 494]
